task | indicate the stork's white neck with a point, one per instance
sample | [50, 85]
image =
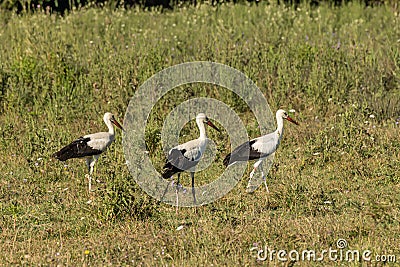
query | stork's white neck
[110, 127]
[279, 129]
[202, 129]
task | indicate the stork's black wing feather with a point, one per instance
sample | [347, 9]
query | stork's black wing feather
[177, 162]
[244, 152]
[77, 149]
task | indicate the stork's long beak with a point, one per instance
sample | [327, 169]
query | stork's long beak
[116, 123]
[292, 120]
[209, 123]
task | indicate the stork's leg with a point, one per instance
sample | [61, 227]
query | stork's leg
[91, 173]
[166, 190]
[176, 192]
[193, 190]
[252, 172]
[250, 187]
[263, 177]
[89, 161]
[177, 182]
[255, 166]
[96, 157]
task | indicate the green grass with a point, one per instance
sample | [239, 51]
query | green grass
[337, 175]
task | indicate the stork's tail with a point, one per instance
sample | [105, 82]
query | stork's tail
[227, 159]
[64, 154]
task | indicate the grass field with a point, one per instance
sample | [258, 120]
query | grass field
[335, 176]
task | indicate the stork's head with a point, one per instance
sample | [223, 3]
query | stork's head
[201, 117]
[283, 114]
[110, 117]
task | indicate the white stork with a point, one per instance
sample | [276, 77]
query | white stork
[90, 146]
[261, 147]
[186, 156]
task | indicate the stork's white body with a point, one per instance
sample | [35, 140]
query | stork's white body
[259, 148]
[90, 146]
[193, 150]
[268, 144]
[100, 141]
